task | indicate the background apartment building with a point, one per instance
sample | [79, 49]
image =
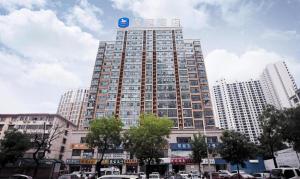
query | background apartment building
[39, 124]
[278, 85]
[72, 105]
[238, 106]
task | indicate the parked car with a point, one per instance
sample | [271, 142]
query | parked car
[20, 176]
[242, 176]
[224, 175]
[263, 175]
[184, 175]
[285, 173]
[89, 175]
[119, 177]
[154, 176]
[142, 175]
[225, 171]
[235, 171]
[69, 176]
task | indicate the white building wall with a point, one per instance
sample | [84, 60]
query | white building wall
[238, 106]
[34, 124]
[278, 85]
[73, 104]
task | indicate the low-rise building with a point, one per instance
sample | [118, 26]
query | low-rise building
[39, 124]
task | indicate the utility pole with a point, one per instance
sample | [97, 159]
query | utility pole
[207, 151]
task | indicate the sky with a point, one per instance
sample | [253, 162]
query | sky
[48, 47]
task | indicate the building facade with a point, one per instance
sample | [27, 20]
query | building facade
[238, 106]
[72, 105]
[39, 124]
[278, 85]
[151, 70]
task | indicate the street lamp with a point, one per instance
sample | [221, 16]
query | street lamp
[207, 151]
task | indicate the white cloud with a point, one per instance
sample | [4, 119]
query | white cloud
[85, 15]
[40, 34]
[281, 35]
[13, 4]
[223, 64]
[41, 58]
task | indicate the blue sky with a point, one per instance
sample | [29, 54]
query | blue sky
[47, 47]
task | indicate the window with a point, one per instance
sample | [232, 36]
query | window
[213, 139]
[197, 114]
[193, 83]
[188, 122]
[198, 124]
[62, 149]
[64, 140]
[82, 140]
[196, 106]
[289, 174]
[195, 97]
[88, 153]
[76, 152]
[183, 139]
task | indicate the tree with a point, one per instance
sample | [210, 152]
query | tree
[199, 148]
[290, 130]
[235, 148]
[13, 146]
[104, 134]
[272, 121]
[42, 142]
[147, 140]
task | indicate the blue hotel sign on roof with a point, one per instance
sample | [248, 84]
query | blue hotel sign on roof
[123, 22]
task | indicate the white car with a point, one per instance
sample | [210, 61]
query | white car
[184, 175]
[285, 173]
[235, 171]
[119, 177]
[225, 171]
[142, 175]
[20, 176]
[154, 176]
[263, 175]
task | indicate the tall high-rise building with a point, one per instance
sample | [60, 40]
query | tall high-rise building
[73, 104]
[238, 106]
[278, 85]
[151, 69]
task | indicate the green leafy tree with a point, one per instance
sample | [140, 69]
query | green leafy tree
[199, 149]
[147, 140]
[272, 121]
[13, 146]
[291, 130]
[236, 148]
[104, 134]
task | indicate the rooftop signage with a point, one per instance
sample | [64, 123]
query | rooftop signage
[123, 22]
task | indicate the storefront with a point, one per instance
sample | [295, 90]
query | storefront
[178, 164]
[89, 164]
[131, 166]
